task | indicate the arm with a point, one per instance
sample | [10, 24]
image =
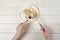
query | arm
[17, 36]
[20, 30]
[45, 32]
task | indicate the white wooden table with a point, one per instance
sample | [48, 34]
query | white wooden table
[49, 15]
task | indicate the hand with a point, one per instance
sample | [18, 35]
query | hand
[20, 30]
[45, 32]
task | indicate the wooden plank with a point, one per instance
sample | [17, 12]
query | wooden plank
[50, 11]
[6, 36]
[38, 2]
[29, 37]
[44, 11]
[49, 3]
[7, 28]
[8, 19]
[32, 28]
[49, 19]
[39, 37]
[15, 19]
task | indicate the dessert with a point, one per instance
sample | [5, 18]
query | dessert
[30, 13]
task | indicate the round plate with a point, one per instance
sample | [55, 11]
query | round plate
[22, 16]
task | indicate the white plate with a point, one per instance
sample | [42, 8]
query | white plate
[21, 14]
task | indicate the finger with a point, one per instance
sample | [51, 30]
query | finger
[20, 24]
[23, 25]
[43, 28]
